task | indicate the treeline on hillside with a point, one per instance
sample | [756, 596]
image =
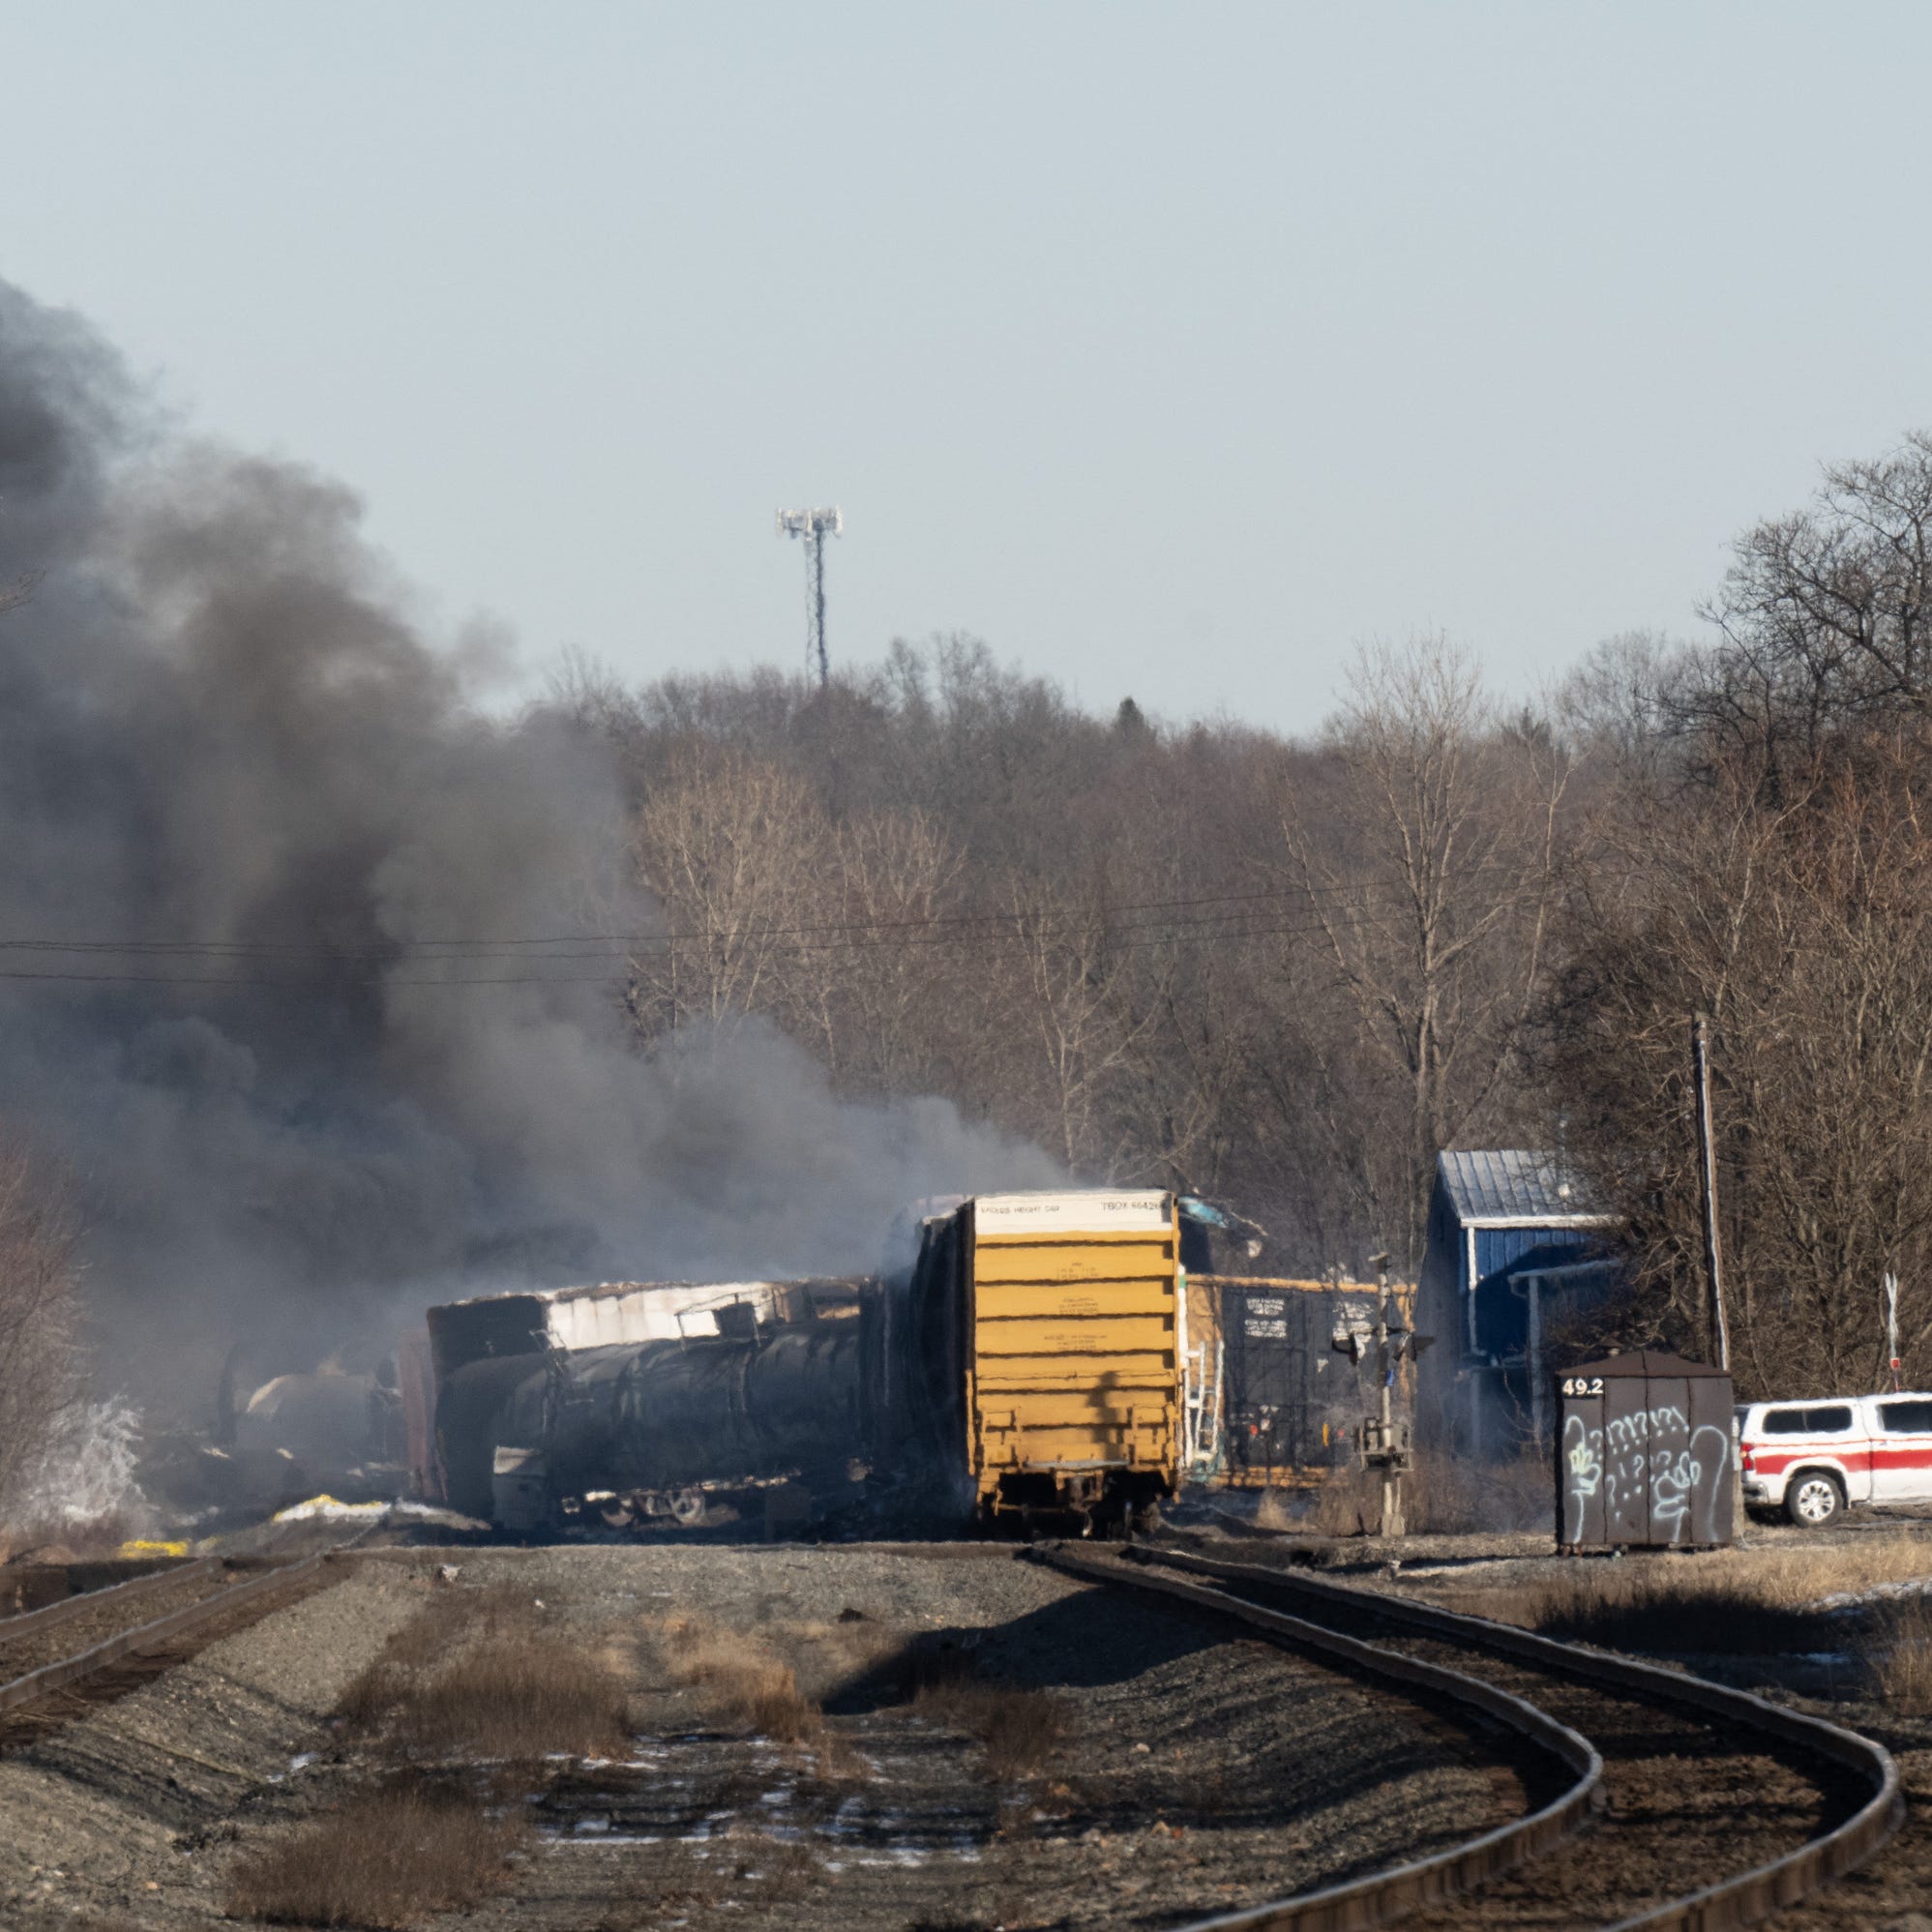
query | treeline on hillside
[1285, 972]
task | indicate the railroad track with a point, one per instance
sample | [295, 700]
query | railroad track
[127, 1604]
[1690, 1794]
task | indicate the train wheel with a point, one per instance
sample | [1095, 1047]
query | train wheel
[688, 1507]
[616, 1512]
[1146, 1519]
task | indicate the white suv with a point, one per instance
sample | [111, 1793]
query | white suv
[1812, 1459]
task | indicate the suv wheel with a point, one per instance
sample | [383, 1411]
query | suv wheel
[1813, 1500]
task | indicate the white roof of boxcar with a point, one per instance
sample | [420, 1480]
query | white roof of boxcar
[1090, 1210]
[611, 1312]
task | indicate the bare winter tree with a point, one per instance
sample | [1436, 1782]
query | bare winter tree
[1823, 620]
[735, 850]
[1805, 932]
[39, 1363]
[875, 990]
[1423, 853]
[1067, 971]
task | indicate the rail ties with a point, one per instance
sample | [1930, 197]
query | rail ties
[1385, 1897]
[33, 1686]
[1664, 1728]
[83, 1603]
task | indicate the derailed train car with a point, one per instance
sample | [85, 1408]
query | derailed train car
[1059, 1361]
[1025, 1370]
[1269, 1402]
[637, 1401]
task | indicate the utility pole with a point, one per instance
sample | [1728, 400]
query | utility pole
[814, 526]
[1891, 1330]
[1392, 1524]
[1700, 1055]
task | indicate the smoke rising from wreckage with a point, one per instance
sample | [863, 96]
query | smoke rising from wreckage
[247, 802]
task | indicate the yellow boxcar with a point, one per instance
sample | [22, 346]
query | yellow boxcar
[1071, 1308]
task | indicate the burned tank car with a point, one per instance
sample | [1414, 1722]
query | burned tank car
[528, 1378]
[623, 1435]
[637, 1400]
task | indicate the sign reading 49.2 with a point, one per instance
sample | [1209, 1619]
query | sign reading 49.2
[1582, 1385]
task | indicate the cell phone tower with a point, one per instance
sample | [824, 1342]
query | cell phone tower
[814, 526]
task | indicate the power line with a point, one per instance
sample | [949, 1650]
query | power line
[964, 923]
[1117, 940]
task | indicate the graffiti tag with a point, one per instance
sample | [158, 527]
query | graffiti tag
[1650, 1464]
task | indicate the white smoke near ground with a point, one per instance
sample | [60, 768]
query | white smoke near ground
[86, 1473]
[257, 831]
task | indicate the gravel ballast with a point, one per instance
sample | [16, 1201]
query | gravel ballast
[1199, 1770]
[110, 1820]
[1191, 1770]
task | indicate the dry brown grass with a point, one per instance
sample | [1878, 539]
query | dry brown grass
[1271, 1511]
[480, 1674]
[509, 1698]
[387, 1859]
[1760, 1601]
[1348, 1505]
[1896, 1655]
[743, 1682]
[1020, 1729]
[434, 1632]
[1446, 1496]
[1440, 1497]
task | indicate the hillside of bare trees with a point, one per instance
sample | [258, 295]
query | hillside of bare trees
[1205, 958]
[1285, 972]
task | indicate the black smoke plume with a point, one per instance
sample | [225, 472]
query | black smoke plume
[253, 824]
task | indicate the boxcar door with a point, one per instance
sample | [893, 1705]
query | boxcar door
[1258, 1353]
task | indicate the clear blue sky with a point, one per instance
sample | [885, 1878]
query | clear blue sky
[1170, 349]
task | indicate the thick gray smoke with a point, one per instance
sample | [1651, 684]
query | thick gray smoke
[218, 726]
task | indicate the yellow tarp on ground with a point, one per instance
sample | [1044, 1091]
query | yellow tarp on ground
[328, 1507]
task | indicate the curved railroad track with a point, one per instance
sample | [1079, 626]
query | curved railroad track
[1710, 1807]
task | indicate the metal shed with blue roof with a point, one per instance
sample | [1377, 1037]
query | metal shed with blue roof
[1515, 1245]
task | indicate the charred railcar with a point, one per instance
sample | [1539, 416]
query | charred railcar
[533, 1433]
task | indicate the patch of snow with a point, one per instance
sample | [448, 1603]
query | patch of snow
[1844, 1600]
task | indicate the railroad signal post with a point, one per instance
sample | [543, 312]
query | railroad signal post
[1386, 1440]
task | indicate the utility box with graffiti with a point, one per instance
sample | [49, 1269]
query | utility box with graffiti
[1644, 1457]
